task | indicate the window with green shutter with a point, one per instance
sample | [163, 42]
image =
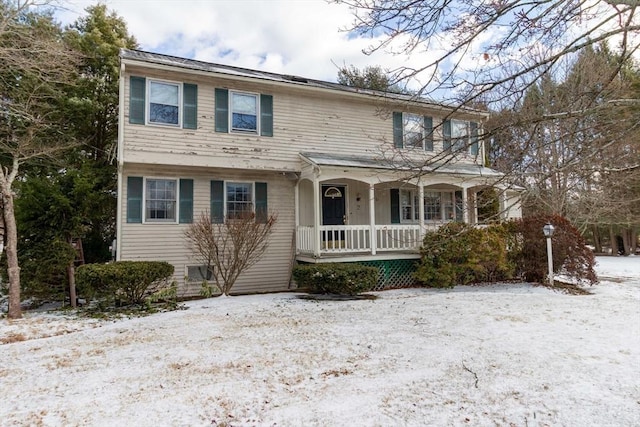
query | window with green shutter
[217, 202]
[222, 110]
[395, 206]
[137, 92]
[190, 104]
[185, 208]
[134, 199]
[446, 135]
[398, 134]
[266, 115]
[262, 213]
[473, 130]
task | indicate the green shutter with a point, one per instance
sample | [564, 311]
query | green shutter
[186, 201]
[266, 115]
[222, 110]
[190, 106]
[428, 133]
[446, 135]
[395, 206]
[217, 202]
[137, 91]
[459, 206]
[397, 130]
[261, 202]
[134, 199]
[473, 130]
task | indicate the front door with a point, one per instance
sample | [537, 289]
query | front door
[333, 204]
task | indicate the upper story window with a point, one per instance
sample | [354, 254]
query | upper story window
[461, 136]
[158, 102]
[164, 103]
[412, 131]
[244, 112]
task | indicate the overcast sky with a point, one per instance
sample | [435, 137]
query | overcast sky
[301, 37]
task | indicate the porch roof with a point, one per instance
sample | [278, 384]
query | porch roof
[380, 163]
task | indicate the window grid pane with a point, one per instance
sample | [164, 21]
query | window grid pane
[432, 206]
[160, 203]
[239, 199]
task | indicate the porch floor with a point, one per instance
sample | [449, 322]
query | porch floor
[355, 257]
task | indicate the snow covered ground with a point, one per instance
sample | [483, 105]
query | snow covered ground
[510, 355]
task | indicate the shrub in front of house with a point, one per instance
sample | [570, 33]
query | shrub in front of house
[571, 256]
[336, 278]
[458, 254]
[126, 282]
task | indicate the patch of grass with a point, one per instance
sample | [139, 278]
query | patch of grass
[568, 288]
[13, 337]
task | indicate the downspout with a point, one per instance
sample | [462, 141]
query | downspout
[119, 209]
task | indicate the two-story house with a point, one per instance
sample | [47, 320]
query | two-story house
[353, 175]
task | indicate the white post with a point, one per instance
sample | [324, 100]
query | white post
[296, 204]
[372, 219]
[550, 260]
[465, 205]
[421, 212]
[317, 201]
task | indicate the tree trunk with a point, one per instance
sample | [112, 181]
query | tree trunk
[71, 272]
[613, 241]
[597, 240]
[13, 268]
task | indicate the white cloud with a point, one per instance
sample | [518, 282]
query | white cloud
[301, 37]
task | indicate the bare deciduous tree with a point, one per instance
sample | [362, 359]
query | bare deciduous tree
[230, 248]
[474, 47]
[35, 69]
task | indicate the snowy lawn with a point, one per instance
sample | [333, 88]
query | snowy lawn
[510, 355]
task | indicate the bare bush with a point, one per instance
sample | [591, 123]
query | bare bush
[228, 249]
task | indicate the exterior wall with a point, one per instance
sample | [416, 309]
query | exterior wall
[166, 242]
[303, 120]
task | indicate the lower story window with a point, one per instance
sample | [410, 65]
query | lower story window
[409, 211]
[239, 199]
[198, 273]
[160, 200]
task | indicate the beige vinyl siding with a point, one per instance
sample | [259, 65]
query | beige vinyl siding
[303, 120]
[165, 242]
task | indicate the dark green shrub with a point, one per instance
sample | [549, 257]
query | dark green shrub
[336, 278]
[570, 253]
[126, 282]
[458, 254]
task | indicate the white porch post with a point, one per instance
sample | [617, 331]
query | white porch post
[372, 219]
[316, 215]
[504, 201]
[296, 206]
[421, 211]
[465, 205]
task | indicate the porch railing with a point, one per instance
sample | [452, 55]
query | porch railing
[357, 238]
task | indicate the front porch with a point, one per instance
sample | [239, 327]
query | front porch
[348, 209]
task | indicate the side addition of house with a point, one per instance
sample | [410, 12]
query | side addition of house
[353, 175]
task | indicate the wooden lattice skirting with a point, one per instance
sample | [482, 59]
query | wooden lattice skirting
[394, 273]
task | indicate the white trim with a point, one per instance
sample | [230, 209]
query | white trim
[144, 200]
[120, 163]
[147, 101]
